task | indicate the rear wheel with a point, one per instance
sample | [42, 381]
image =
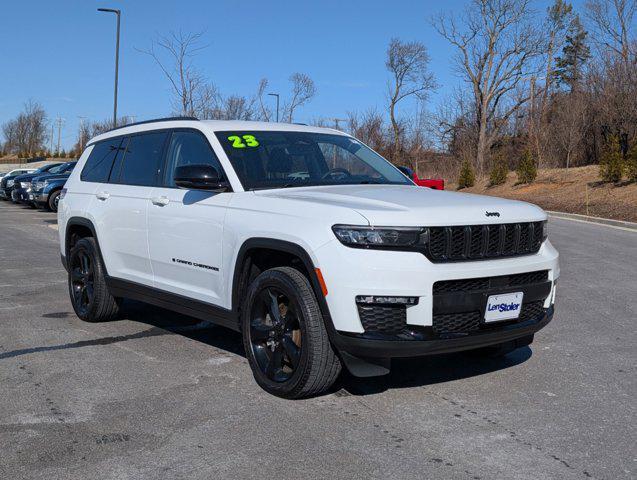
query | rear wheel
[90, 297]
[284, 336]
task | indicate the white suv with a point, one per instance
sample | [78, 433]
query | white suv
[319, 251]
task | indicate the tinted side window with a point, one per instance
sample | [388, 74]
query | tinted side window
[100, 161]
[141, 161]
[188, 148]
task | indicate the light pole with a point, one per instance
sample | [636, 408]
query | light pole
[118, 13]
[277, 104]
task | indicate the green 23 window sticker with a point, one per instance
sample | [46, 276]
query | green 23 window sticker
[238, 142]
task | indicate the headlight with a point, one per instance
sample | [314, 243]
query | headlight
[545, 230]
[399, 238]
[10, 183]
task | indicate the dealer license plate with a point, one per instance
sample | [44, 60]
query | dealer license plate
[503, 307]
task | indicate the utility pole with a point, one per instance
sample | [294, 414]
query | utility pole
[336, 120]
[51, 150]
[59, 122]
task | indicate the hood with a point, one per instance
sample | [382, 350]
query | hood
[27, 177]
[50, 176]
[405, 205]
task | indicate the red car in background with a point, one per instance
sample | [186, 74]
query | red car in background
[435, 183]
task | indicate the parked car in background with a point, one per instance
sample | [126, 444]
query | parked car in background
[7, 183]
[435, 183]
[22, 183]
[45, 190]
[17, 171]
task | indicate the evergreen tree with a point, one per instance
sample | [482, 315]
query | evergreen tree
[467, 177]
[611, 165]
[575, 54]
[631, 164]
[499, 171]
[527, 170]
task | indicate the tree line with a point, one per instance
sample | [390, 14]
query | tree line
[553, 88]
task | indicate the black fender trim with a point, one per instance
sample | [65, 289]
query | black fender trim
[287, 247]
[83, 222]
[172, 301]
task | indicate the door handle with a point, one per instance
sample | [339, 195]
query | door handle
[102, 195]
[160, 201]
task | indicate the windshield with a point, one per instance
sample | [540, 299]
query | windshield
[270, 159]
[61, 168]
[47, 168]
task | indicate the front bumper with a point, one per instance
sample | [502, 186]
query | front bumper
[350, 272]
[38, 197]
[359, 346]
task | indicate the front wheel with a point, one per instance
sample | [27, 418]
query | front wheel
[54, 200]
[284, 336]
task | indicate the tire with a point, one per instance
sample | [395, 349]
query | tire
[502, 349]
[90, 297]
[295, 334]
[52, 203]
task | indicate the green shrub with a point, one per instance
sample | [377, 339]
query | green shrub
[499, 171]
[611, 165]
[527, 169]
[467, 177]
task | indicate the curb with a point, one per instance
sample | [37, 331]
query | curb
[585, 218]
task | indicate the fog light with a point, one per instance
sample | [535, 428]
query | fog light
[369, 299]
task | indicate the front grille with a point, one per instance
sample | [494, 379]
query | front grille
[470, 322]
[383, 319]
[464, 322]
[475, 242]
[485, 283]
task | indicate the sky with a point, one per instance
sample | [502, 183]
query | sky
[61, 53]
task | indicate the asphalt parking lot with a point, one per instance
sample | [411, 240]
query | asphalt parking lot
[158, 395]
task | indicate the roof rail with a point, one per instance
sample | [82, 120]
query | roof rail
[153, 120]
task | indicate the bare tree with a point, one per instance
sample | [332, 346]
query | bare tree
[497, 48]
[191, 92]
[265, 112]
[28, 132]
[569, 124]
[612, 21]
[303, 90]
[408, 63]
[83, 136]
[369, 127]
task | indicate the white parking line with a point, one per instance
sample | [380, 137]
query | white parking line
[593, 223]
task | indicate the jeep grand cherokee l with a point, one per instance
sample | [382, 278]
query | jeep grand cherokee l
[319, 251]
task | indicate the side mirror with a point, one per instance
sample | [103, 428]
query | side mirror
[408, 172]
[200, 177]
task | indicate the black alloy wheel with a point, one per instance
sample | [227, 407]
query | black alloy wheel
[275, 334]
[82, 282]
